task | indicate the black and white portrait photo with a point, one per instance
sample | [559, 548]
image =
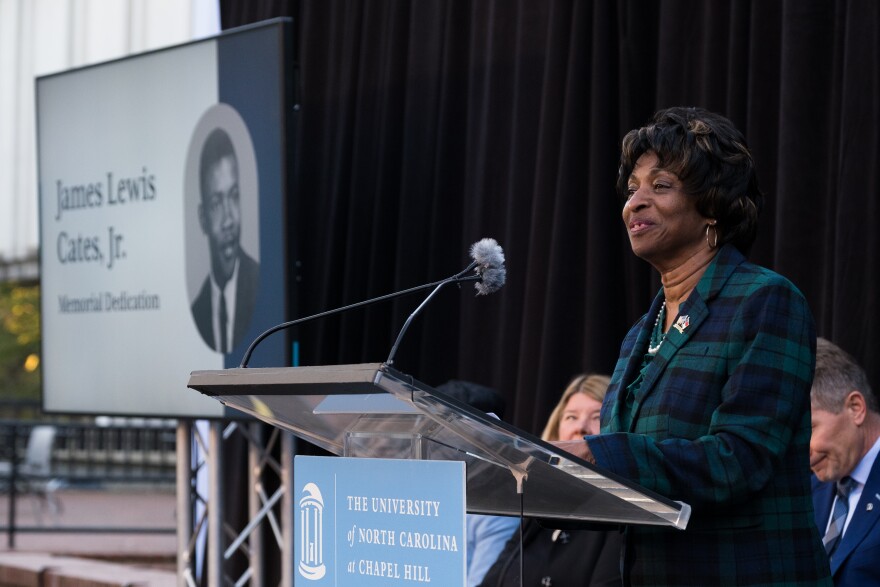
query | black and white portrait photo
[223, 294]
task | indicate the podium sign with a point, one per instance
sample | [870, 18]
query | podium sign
[373, 410]
[363, 522]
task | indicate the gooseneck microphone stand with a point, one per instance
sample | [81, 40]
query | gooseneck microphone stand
[459, 277]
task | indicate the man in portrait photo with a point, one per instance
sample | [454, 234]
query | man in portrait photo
[226, 300]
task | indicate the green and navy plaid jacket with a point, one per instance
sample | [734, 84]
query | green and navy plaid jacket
[721, 421]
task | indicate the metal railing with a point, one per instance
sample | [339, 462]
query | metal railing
[87, 455]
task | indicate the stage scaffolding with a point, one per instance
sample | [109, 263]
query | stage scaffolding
[206, 538]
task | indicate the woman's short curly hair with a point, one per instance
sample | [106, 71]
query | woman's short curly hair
[710, 157]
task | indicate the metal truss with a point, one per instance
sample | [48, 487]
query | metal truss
[201, 506]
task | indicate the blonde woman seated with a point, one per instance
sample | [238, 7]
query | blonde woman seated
[559, 558]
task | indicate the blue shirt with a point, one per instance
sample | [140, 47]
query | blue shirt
[486, 537]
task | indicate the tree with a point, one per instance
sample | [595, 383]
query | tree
[19, 341]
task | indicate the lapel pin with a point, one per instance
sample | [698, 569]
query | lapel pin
[682, 323]
[870, 506]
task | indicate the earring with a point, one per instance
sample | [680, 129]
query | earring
[714, 243]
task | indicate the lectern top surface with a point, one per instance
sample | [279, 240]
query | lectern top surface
[372, 410]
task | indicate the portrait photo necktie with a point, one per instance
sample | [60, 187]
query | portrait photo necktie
[223, 323]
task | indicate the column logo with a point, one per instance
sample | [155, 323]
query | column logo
[311, 515]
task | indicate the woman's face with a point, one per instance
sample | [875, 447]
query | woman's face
[580, 417]
[662, 221]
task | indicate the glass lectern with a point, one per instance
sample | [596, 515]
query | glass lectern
[373, 410]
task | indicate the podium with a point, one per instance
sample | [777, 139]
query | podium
[373, 410]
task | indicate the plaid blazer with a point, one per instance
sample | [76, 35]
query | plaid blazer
[721, 421]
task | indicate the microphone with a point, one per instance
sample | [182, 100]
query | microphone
[489, 275]
[489, 266]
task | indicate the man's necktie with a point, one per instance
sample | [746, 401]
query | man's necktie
[838, 515]
[224, 317]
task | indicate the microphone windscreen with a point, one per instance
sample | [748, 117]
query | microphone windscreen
[488, 253]
[490, 265]
[492, 281]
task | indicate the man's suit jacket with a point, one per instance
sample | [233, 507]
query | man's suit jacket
[721, 421]
[245, 302]
[856, 561]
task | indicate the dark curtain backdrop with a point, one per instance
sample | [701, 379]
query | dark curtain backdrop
[425, 125]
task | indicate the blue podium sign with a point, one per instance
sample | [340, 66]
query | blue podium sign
[362, 521]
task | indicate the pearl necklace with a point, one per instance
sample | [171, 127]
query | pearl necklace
[652, 350]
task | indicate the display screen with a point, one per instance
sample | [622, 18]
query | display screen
[162, 227]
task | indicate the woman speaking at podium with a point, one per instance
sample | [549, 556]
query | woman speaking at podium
[709, 401]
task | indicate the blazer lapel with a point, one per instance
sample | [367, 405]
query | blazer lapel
[692, 313]
[863, 520]
[637, 353]
[620, 414]
[690, 316]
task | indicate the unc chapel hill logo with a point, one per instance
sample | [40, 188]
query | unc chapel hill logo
[311, 515]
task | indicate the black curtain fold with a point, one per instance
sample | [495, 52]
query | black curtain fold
[427, 125]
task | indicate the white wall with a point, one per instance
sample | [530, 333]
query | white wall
[38, 37]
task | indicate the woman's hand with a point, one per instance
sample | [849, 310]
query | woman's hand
[578, 448]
